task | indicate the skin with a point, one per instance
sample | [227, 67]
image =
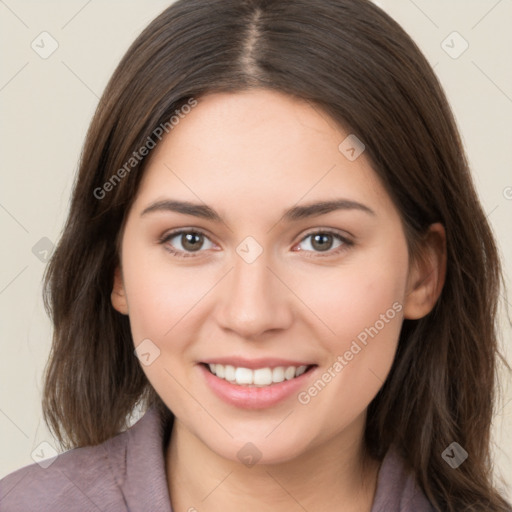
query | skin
[250, 156]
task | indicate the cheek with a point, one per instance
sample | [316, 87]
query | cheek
[360, 295]
[161, 300]
[362, 306]
[160, 293]
[366, 313]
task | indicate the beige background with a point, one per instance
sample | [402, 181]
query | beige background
[46, 108]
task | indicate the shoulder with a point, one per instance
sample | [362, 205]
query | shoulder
[76, 480]
[126, 472]
[397, 488]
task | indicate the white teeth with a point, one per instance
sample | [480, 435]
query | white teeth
[300, 370]
[278, 374]
[229, 372]
[219, 370]
[242, 375]
[260, 377]
[289, 373]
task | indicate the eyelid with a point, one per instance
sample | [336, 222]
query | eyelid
[345, 235]
[179, 231]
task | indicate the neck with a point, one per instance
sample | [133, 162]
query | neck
[335, 475]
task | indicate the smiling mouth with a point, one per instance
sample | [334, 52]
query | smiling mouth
[259, 377]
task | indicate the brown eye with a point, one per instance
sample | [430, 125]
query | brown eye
[327, 242]
[192, 241]
[186, 242]
[322, 242]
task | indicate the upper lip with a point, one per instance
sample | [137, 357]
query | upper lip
[264, 362]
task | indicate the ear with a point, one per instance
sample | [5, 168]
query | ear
[427, 274]
[118, 295]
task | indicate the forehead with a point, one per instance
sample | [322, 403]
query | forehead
[257, 150]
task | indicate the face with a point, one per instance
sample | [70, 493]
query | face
[255, 280]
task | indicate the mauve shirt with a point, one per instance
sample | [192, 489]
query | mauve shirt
[127, 473]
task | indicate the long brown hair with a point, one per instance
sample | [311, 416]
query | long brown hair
[352, 61]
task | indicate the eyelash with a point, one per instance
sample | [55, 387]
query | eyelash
[346, 243]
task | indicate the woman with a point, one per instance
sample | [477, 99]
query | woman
[275, 248]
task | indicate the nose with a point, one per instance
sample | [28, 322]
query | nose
[253, 300]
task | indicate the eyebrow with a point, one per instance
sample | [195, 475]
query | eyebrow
[293, 214]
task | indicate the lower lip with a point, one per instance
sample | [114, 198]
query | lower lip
[246, 397]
